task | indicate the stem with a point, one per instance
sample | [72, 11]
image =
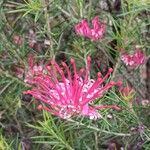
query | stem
[116, 68]
[81, 8]
[97, 129]
[48, 27]
[13, 78]
[67, 13]
[130, 82]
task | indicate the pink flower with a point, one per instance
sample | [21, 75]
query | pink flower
[18, 40]
[33, 70]
[72, 95]
[94, 33]
[29, 72]
[135, 59]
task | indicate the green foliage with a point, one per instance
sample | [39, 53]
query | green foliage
[30, 7]
[52, 133]
[4, 145]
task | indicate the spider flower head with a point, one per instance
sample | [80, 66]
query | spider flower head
[72, 94]
[95, 33]
[134, 60]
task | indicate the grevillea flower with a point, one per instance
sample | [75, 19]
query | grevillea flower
[33, 69]
[72, 94]
[95, 33]
[135, 59]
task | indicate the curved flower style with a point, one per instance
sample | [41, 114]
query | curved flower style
[72, 95]
[94, 33]
[135, 59]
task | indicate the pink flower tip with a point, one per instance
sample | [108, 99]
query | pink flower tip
[110, 70]
[72, 61]
[88, 58]
[40, 107]
[99, 75]
[82, 70]
[63, 63]
[48, 68]
[52, 62]
[26, 92]
[119, 83]
[112, 83]
[117, 108]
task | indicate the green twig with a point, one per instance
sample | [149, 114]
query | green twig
[99, 130]
[13, 78]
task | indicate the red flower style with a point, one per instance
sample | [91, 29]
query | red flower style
[94, 33]
[135, 59]
[72, 95]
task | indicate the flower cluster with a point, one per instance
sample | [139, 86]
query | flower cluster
[33, 69]
[135, 59]
[95, 33]
[67, 93]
